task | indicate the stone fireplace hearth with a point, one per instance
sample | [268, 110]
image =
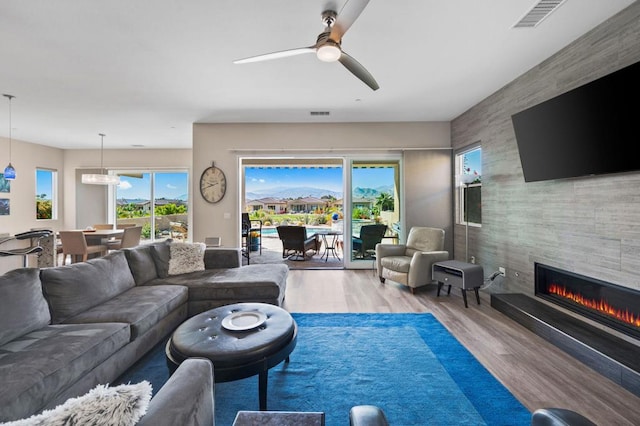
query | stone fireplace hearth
[609, 354]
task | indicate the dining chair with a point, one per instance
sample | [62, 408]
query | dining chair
[74, 244]
[130, 238]
[124, 225]
[103, 226]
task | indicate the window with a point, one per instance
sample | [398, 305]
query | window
[469, 171]
[46, 196]
[156, 200]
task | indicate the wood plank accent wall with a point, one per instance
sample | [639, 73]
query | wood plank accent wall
[587, 225]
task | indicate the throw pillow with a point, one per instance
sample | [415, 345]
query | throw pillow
[101, 406]
[161, 255]
[23, 306]
[186, 257]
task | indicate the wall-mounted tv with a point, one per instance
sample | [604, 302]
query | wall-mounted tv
[589, 130]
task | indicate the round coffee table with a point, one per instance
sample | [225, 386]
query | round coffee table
[241, 340]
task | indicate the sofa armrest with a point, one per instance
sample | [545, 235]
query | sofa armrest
[421, 264]
[218, 258]
[367, 415]
[186, 399]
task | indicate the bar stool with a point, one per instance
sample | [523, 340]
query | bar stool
[26, 251]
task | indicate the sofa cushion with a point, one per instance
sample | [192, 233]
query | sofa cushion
[251, 282]
[141, 307]
[161, 256]
[22, 304]
[39, 365]
[141, 263]
[75, 288]
[186, 257]
[396, 263]
[120, 405]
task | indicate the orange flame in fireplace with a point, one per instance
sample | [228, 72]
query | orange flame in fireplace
[599, 305]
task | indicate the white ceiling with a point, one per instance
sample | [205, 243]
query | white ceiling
[142, 71]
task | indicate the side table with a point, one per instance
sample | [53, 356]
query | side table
[330, 245]
[466, 276]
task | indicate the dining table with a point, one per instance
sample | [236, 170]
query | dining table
[98, 236]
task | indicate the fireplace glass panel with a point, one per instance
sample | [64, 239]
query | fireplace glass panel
[615, 306]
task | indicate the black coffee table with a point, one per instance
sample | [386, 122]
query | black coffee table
[236, 353]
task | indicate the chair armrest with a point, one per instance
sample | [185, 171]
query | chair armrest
[383, 250]
[218, 258]
[421, 264]
[367, 415]
[186, 398]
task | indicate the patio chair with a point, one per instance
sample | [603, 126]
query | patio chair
[296, 243]
[370, 235]
[251, 236]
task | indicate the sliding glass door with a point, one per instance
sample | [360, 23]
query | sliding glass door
[357, 197]
[156, 200]
[373, 191]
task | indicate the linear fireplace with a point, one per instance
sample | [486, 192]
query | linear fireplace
[609, 304]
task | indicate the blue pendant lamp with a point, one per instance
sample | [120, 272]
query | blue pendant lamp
[9, 171]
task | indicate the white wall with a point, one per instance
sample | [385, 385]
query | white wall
[225, 143]
[25, 157]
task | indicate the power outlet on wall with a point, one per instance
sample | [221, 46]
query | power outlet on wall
[502, 271]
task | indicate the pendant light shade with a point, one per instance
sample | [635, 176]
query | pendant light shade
[103, 178]
[9, 171]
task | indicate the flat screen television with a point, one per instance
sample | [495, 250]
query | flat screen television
[590, 130]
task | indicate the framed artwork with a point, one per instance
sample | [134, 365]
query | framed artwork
[5, 185]
[4, 207]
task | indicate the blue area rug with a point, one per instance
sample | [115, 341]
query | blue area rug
[407, 364]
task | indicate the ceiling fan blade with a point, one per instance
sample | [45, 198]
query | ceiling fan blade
[358, 70]
[276, 55]
[347, 16]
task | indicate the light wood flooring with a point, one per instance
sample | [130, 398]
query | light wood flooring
[535, 371]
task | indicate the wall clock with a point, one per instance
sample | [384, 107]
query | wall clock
[213, 184]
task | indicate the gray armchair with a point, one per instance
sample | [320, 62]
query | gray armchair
[410, 263]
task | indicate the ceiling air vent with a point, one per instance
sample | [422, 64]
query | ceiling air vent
[319, 113]
[538, 13]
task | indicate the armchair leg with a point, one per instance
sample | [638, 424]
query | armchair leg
[381, 280]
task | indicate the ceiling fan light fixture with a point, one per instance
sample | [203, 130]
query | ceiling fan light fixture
[329, 52]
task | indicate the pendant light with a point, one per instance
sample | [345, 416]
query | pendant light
[103, 178]
[9, 171]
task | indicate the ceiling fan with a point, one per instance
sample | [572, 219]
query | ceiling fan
[328, 45]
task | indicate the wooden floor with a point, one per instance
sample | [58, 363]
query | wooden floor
[536, 372]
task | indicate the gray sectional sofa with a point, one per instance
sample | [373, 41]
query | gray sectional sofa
[65, 329]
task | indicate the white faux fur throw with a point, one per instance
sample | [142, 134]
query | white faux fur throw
[121, 405]
[186, 257]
